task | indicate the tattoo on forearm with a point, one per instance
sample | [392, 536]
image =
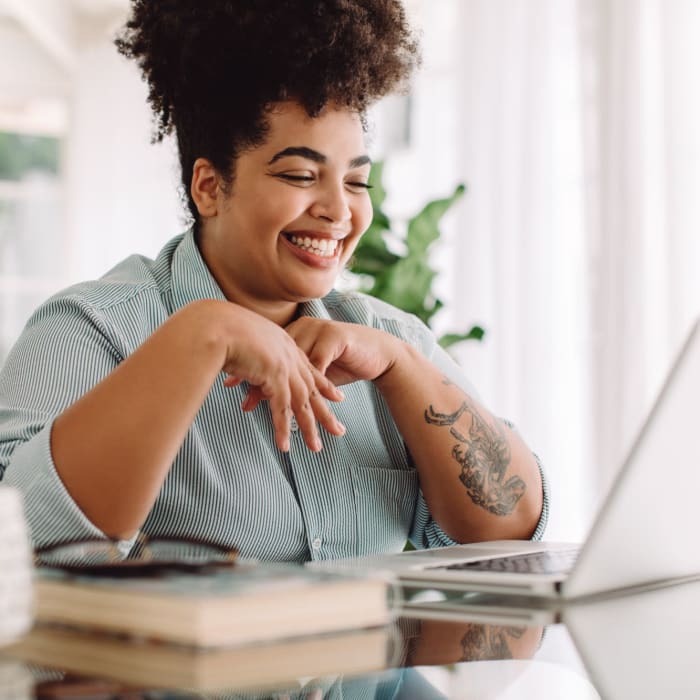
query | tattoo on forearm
[486, 642]
[484, 456]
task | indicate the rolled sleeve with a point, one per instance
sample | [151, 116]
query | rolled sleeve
[538, 534]
[62, 353]
[51, 511]
[426, 533]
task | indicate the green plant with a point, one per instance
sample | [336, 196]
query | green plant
[397, 269]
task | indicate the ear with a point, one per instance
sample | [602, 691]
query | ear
[205, 187]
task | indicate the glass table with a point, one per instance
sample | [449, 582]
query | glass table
[639, 645]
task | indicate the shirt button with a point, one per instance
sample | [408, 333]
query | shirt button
[316, 544]
[293, 424]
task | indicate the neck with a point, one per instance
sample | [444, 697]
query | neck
[280, 312]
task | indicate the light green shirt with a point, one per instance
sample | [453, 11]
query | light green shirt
[229, 483]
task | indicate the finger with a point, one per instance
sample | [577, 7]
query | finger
[325, 350]
[230, 380]
[315, 339]
[324, 415]
[306, 420]
[319, 380]
[325, 386]
[252, 398]
[280, 407]
[319, 408]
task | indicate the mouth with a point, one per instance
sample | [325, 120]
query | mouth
[315, 245]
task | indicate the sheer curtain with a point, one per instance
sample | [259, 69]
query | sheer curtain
[578, 245]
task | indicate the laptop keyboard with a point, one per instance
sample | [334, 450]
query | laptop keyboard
[554, 562]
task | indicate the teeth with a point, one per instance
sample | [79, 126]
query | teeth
[323, 247]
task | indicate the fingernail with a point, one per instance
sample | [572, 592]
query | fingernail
[341, 427]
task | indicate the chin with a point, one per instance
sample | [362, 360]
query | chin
[305, 291]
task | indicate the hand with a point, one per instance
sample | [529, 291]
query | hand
[345, 352]
[265, 356]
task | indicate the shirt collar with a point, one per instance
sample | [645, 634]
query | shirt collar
[191, 279]
[314, 308]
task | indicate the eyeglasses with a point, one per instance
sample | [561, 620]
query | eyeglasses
[159, 555]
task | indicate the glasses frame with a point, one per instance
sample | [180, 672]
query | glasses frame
[142, 565]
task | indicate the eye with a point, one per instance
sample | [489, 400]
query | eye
[358, 186]
[290, 177]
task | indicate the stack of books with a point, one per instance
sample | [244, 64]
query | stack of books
[247, 626]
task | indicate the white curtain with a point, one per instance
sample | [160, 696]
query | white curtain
[578, 244]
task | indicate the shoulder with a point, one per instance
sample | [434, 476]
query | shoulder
[130, 279]
[126, 303]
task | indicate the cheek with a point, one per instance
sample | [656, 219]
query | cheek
[264, 220]
[363, 215]
[362, 218]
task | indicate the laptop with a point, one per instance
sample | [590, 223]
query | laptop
[644, 534]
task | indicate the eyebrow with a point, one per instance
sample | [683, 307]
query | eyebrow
[315, 156]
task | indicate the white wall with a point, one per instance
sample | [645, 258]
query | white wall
[122, 190]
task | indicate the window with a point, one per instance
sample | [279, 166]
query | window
[32, 258]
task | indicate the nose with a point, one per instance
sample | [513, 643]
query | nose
[331, 203]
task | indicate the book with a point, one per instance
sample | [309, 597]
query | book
[241, 604]
[167, 666]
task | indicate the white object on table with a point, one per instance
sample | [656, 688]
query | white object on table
[16, 600]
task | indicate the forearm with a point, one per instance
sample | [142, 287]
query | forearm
[479, 479]
[113, 447]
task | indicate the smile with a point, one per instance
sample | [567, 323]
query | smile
[323, 247]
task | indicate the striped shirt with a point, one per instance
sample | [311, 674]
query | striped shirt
[229, 483]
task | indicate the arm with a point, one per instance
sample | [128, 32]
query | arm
[478, 477]
[113, 447]
[437, 642]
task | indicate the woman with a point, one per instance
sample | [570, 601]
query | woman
[197, 395]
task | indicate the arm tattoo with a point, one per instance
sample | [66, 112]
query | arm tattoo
[486, 642]
[484, 456]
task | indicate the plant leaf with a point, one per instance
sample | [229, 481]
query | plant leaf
[475, 333]
[407, 285]
[377, 193]
[372, 256]
[423, 228]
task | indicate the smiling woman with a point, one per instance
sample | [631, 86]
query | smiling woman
[198, 395]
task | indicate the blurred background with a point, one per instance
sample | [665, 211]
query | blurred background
[573, 124]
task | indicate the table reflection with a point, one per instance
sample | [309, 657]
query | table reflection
[407, 643]
[633, 646]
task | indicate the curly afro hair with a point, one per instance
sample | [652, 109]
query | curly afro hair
[214, 67]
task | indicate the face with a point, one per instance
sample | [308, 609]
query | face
[298, 206]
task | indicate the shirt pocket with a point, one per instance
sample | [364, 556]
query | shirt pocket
[385, 503]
